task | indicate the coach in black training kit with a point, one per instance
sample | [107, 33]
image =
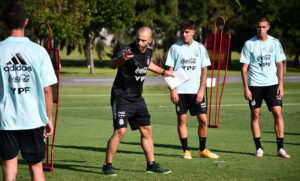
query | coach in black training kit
[127, 102]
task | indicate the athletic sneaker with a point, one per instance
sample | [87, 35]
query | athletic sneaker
[282, 153]
[187, 155]
[108, 170]
[208, 154]
[259, 152]
[155, 168]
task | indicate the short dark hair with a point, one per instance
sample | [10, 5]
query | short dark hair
[187, 24]
[14, 15]
[262, 19]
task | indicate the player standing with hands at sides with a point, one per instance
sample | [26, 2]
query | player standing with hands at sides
[26, 76]
[127, 102]
[262, 57]
[193, 58]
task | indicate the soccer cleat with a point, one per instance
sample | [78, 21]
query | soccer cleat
[155, 168]
[259, 152]
[207, 153]
[187, 155]
[283, 154]
[108, 170]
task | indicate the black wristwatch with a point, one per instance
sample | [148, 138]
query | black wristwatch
[163, 73]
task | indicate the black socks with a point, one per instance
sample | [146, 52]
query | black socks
[279, 143]
[202, 142]
[184, 143]
[257, 143]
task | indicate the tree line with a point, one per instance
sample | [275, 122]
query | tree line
[76, 24]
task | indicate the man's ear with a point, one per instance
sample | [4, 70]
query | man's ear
[26, 22]
[193, 32]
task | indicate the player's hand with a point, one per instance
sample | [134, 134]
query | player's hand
[127, 55]
[280, 91]
[169, 73]
[48, 129]
[174, 96]
[247, 94]
[199, 98]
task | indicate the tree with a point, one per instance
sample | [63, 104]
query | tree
[112, 15]
[162, 17]
[66, 18]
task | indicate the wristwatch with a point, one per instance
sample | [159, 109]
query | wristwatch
[163, 72]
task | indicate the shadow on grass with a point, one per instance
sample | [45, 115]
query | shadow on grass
[63, 164]
[180, 148]
[272, 132]
[88, 148]
[81, 166]
[155, 145]
[71, 166]
[286, 143]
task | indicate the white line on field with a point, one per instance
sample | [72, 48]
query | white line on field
[223, 105]
[101, 95]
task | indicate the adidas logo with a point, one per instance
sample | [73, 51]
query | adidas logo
[17, 64]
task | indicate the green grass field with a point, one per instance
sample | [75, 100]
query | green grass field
[85, 125]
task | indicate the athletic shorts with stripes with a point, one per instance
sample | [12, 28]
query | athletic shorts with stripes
[134, 112]
[268, 93]
[188, 102]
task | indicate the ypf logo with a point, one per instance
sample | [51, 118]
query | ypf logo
[17, 64]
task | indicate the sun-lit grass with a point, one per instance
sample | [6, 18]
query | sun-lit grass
[85, 125]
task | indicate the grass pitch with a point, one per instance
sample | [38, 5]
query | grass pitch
[85, 125]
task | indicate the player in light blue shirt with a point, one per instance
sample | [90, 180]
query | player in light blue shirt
[25, 70]
[262, 57]
[26, 76]
[193, 58]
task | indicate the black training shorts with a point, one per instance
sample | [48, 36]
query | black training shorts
[30, 142]
[134, 112]
[187, 102]
[268, 93]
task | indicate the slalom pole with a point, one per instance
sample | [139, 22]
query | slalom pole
[218, 77]
[56, 66]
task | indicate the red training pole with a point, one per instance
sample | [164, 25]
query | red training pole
[218, 77]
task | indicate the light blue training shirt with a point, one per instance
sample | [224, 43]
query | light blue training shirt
[191, 58]
[262, 56]
[25, 69]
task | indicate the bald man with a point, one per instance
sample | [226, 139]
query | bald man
[128, 105]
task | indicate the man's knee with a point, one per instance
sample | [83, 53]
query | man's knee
[119, 133]
[182, 119]
[146, 131]
[276, 111]
[202, 120]
[255, 113]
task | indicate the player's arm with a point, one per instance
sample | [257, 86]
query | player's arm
[247, 92]
[118, 61]
[173, 93]
[200, 93]
[157, 69]
[280, 79]
[49, 108]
